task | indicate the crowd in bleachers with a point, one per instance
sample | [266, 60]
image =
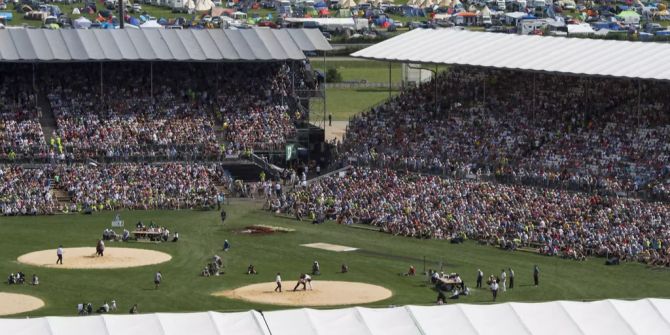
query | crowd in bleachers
[596, 134]
[25, 191]
[28, 191]
[168, 111]
[20, 131]
[557, 222]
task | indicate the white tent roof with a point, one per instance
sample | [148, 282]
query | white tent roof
[152, 24]
[576, 56]
[82, 23]
[347, 4]
[203, 5]
[581, 28]
[206, 323]
[612, 317]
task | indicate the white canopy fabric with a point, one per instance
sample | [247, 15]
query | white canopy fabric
[486, 12]
[581, 28]
[206, 323]
[577, 56]
[347, 4]
[152, 24]
[611, 317]
[203, 5]
[82, 23]
[190, 5]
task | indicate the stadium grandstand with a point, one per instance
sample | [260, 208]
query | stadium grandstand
[187, 111]
[495, 149]
[519, 143]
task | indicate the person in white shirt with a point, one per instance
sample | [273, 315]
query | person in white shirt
[59, 253]
[158, 278]
[494, 289]
[308, 282]
[278, 281]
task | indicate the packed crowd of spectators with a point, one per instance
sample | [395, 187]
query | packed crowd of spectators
[557, 222]
[597, 134]
[20, 131]
[25, 191]
[166, 111]
[142, 186]
[28, 191]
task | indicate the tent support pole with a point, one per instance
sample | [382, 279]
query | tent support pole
[151, 78]
[435, 98]
[533, 106]
[101, 89]
[325, 79]
[389, 80]
[639, 101]
[34, 86]
[484, 98]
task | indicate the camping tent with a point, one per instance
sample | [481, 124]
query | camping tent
[486, 12]
[76, 11]
[151, 24]
[203, 5]
[347, 4]
[427, 4]
[580, 29]
[82, 23]
[190, 5]
[629, 17]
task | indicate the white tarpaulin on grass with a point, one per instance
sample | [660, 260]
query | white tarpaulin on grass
[611, 317]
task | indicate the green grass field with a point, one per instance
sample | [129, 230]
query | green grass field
[357, 70]
[346, 102]
[380, 260]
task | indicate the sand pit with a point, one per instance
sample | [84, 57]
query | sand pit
[324, 293]
[329, 247]
[84, 258]
[12, 303]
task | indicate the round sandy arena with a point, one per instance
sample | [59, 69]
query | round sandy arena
[85, 258]
[12, 303]
[324, 293]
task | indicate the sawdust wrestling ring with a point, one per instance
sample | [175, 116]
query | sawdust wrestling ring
[85, 258]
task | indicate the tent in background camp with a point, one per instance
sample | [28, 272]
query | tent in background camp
[347, 4]
[82, 23]
[151, 24]
[190, 6]
[76, 11]
[203, 5]
[486, 12]
[427, 4]
[629, 17]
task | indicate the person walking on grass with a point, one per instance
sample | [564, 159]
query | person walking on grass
[511, 278]
[158, 277]
[480, 276]
[536, 275]
[494, 289]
